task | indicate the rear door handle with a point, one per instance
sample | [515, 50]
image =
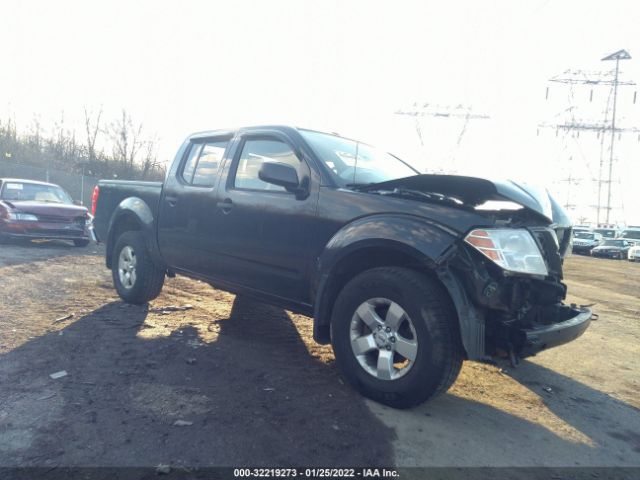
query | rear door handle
[226, 205]
[172, 201]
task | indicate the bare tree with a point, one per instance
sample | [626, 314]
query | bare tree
[150, 158]
[127, 139]
[134, 154]
[92, 129]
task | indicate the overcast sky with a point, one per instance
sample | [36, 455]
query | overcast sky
[342, 66]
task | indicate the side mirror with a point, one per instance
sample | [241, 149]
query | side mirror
[279, 174]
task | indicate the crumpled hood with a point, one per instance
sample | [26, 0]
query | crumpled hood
[49, 209]
[474, 191]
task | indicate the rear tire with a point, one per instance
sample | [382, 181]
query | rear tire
[81, 243]
[428, 331]
[136, 277]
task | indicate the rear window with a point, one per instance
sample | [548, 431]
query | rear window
[201, 166]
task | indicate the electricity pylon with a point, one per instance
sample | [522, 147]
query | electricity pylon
[609, 78]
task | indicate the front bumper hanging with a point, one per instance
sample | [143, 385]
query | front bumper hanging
[543, 337]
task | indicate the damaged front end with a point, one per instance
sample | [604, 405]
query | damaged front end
[516, 287]
[505, 276]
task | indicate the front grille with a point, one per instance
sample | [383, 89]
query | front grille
[63, 220]
[547, 239]
[53, 219]
[74, 233]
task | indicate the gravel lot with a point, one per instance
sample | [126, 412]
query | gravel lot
[247, 385]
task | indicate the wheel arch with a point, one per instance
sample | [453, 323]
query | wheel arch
[369, 242]
[133, 214]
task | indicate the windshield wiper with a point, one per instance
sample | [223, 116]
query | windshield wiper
[417, 193]
[357, 185]
[408, 192]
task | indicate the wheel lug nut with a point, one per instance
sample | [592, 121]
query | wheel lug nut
[379, 327]
[387, 329]
[393, 339]
[388, 347]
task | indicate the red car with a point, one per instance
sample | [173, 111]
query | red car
[30, 209]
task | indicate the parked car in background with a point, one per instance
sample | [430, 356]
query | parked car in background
[607, 232]
[32, 210]
[631, 234]
[634, 253]
[406, 274]
[583, 242]
[613, 248]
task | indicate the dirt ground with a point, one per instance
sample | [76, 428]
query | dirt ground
[247, 386]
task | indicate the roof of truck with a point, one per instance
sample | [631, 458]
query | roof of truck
[232, 131]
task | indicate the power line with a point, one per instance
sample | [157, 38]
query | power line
[607, 78]
[418, 111]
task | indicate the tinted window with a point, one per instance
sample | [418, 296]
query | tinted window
[607, 233]
[190, 164]
[630, 234]
[202, 164]
[616, 243]
[208, 163]
[584, 235]
[254, 154]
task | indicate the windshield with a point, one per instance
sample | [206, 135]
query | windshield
[584, 235]
[351, 162]
[607, 233]
[615, 243]
[24, 192]
[630, 234]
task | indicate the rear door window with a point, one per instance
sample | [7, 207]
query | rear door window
[202, 164]
[208, 163]
[190, 164]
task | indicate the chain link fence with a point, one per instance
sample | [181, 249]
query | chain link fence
[80, 187]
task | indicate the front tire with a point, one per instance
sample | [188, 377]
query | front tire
[395, 337]
[136, 277]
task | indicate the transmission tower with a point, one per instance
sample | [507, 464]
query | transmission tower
[444, 112]
[596, 78]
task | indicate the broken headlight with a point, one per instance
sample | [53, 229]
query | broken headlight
[514, 250]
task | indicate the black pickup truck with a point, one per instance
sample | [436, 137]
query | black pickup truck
[405, 274]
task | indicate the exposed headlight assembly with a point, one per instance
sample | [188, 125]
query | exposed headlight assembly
[27, 217]
[514, 250]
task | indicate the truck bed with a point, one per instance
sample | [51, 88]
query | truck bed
[112, 192]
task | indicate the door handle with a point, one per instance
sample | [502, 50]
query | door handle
[172, 201]
[226, 205]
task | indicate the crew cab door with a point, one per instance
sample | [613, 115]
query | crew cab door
[185, 221]
[264, 231]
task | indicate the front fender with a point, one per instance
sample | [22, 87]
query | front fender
[426, 243]
[133, 211]
[412, 235]
[430, 245]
